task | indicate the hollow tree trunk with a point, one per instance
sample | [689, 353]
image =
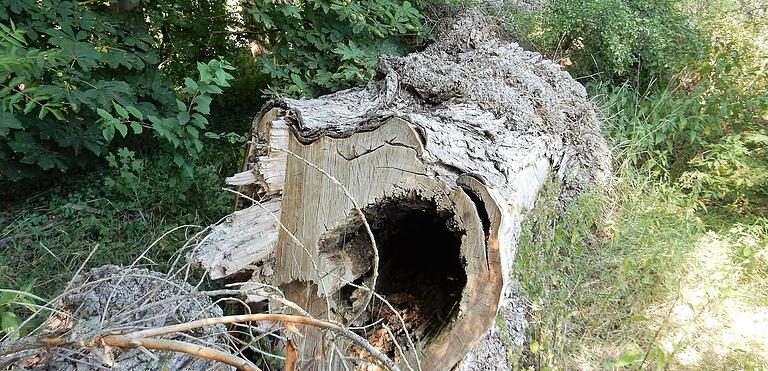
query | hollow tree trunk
[437, 158]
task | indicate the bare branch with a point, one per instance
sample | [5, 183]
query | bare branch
[128, 342]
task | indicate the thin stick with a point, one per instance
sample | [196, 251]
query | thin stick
[291, 356]
[87, 259]
[128, 342]
[397, 344]
[264, 293]
[112, 294]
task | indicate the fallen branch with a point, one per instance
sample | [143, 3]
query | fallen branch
[307, 321]
[144, 339]
[128, 342]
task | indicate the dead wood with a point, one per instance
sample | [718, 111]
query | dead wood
[400, 202]
[70, 341]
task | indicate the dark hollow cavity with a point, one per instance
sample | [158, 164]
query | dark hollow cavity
[421, 271]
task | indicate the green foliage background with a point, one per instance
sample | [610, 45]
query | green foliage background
[79, 79]
[638, 42]
[319, 46]
[683, 84]
[117, 125]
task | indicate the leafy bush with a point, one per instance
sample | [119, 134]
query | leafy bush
[731, 171]
[183, 129]
[72, 76]
[624, 40]
[707, 130]
[320, 45]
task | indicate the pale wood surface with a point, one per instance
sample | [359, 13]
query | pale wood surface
[245, 237]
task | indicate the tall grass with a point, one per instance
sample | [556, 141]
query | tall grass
[591, 270]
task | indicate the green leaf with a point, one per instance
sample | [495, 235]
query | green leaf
[199, 120]
[205, 73]
[192, 131]
[297, 80]
[178, 159]
[30, 105]
[137, 128]
[57, 113]
[155, 120]
[535, 346]
[108, 133]
[8, 122]
[183, 117]
[120, 110]
[180, 105]
[202, 104]
[104, 114]
[135, 112]
[9, 321]
[122, 128]
[190, 84]
[210, 88]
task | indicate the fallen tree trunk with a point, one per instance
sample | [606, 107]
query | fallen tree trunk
[414, 186]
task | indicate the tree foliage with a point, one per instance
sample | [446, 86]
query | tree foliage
[635, 41]
[79, 79]
[316, 46]
[75, 79]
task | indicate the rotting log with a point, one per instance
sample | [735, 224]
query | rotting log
[438, 157]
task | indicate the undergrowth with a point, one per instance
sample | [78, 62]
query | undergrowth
[618, 282]
[116, 212]
[668, 270]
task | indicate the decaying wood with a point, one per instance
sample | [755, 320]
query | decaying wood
[244, 238]
[444, 151]
[64, 333]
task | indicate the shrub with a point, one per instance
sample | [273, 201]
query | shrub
[620, 40]
[320, 45]
[707, 130]
[73, 77]
[731, 171]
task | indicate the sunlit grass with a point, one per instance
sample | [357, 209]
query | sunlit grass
[720, 319]
[644, 279]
